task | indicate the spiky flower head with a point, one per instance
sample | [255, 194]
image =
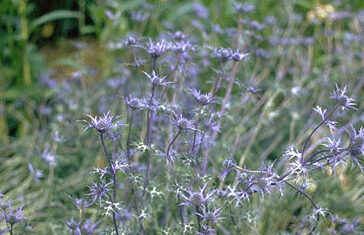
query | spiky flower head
[356, 147]
[210, 216]
[237, 56]
[198, 198]
[156, 49]
[130, 41]
[203, 99]
[134, 103]
[241, 8]
[224, 54]
[12, 217]
[101, 124]
[343, 100]
[157, 80]
[183, 123]
[98, 191]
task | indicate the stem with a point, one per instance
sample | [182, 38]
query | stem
[170, 145]
[129, 133]
[198, 219]
[114, 181]
[316, 153]
[314, 130]
[304, 193]
[195, 131]
[11, 229]
[149, 138]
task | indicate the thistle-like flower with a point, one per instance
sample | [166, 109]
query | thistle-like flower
[134, 103]
[356, 147]
[239, 7]
[343, 100]
[210, 217]
[237, 56]
[330, 124]
[203, 99]
[12, 217]
[183, 123]
[196, 198]
[98, 191]
[157, 80]
[156, 49]
[224, 54]
[130, 41]
[101, 124]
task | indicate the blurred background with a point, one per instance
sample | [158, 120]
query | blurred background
[55, 54]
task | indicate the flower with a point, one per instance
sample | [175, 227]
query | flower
[210, 217]
[203, 99]
[183, 123]
[237, 56]
[196, 198]
[157, 80]
[356, 147]
[134, 103]
[98, 191]
[224, 54]
[11, 217]
[101, 124]
[343, 100]
[156, 49]
[243, 8]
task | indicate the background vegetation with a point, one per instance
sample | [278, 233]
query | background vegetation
[59, 61]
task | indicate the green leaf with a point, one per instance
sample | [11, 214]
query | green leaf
[54, 15]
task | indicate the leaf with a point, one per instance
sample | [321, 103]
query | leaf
[54, 15]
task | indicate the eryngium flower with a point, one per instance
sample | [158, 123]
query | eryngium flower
[224, 54]
[203, 99]
[243, 8]
[134, 103]
[156, 49]
[101, 124]
[210, 217]
[356, 147]
[196, 198]
[130, 41]
[237, 56]
[98, 191]
[12, 217]
[156, 80]
[343, 100]
[183, 123]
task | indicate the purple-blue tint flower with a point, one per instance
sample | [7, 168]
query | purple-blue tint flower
[202, 98]
[179, 36]
[88, 228]
[130, 41]
[157, 80]
[237, 56]
[98, 191]
[73, 226]
[12, 217]
[139, 16]
[134, 103]
[198, 198]
[183, 123]
[156, 49]
[101, 124]
[343, 100]
[210, 216]
[181, 46]
[201, 11]
[243, 8]
[224, 54]
[356, 147]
